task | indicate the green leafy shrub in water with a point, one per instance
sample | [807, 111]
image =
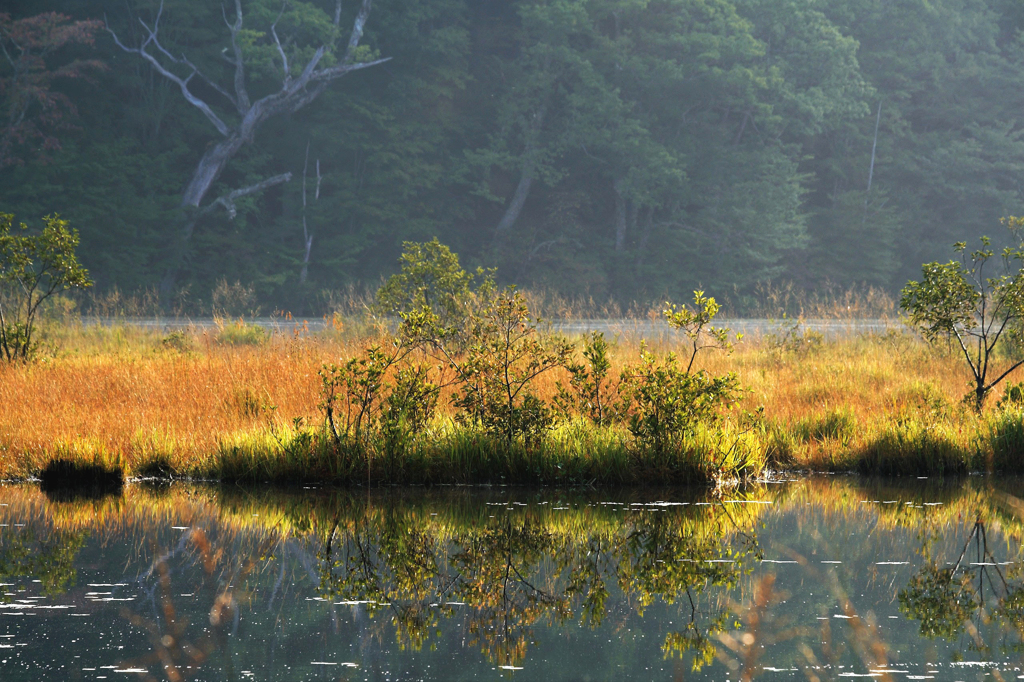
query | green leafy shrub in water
[663, 402]
[353, 394]
[489, 351]
[496, 372]
[407, 411]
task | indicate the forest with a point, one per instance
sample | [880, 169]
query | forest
[631, 150]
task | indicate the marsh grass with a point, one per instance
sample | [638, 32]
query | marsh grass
[571, 454]
[882, 403]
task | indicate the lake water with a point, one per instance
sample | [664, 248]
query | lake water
[814, 579]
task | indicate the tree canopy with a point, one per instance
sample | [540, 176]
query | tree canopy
[634, 149]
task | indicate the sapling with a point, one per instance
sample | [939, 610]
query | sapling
[959, 302]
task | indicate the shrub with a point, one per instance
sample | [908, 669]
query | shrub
[33, 269]
[959, 302]
[496, 372]
[239, 333]
[179, 340]
[664, 403]
[588, 392]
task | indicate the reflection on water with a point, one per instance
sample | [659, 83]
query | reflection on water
[817, 579]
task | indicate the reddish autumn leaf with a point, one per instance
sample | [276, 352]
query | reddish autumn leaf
[31, 114]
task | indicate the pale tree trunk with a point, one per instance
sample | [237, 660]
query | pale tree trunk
[295, 92]
[626, 211]
[515, 206]
[307, 236]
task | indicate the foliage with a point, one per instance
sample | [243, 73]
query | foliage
[491, 360]
[431, 279]
[695, 324]
[409, 408]
[31, 112]
[355, 391]
[505, 355]
[663, 145]
[664, 403]
[588, 392]
[33, 268]
[960, 302]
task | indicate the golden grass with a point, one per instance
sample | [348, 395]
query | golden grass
[122, 395]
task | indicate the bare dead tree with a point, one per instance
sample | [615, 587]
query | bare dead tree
[295, 92]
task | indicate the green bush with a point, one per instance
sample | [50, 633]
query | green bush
[239, 333]
[33, 270]
[180, 341]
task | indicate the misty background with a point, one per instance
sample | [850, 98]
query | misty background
[619, 149]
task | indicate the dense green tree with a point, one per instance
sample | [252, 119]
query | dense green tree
[625, 148]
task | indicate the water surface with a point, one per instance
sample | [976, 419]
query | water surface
[817, 579]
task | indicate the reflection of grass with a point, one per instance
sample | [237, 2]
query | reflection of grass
[879, 403]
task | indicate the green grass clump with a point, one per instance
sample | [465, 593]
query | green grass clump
[1006, 440]
[909, 447]
[240, 333]
[576, 452]
[838, 424]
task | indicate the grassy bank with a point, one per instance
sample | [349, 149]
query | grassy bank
[235, 404]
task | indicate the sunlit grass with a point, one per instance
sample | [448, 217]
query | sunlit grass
[198, 405]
